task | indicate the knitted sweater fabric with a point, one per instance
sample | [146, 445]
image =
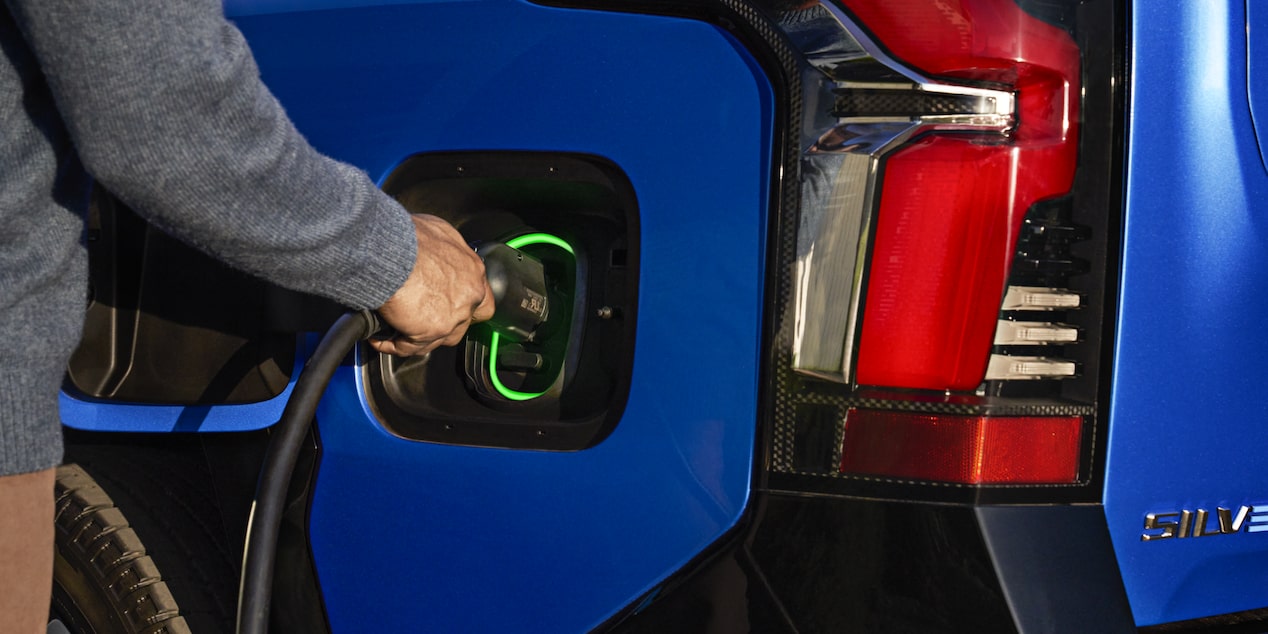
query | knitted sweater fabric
[161, 103]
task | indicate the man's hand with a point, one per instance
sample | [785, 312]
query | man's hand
[444, 294]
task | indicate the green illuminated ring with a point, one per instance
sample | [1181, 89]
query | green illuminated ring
[540, 238]
[527, 239]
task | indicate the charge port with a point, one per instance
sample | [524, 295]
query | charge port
[564, 387]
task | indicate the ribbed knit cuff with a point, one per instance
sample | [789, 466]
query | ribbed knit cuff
[30, 429]
[381, 260]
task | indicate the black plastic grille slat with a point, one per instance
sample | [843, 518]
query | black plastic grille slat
[1046, 264]
[1044, 255]
[1052, 232]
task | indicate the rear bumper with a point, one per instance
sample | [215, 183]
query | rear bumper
[823, 564]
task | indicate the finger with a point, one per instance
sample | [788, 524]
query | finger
[484, 310]
[386, 346]
[381, 345]
[401, 347]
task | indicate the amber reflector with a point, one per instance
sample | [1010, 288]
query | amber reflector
[962, 449]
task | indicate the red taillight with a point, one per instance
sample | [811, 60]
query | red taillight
[952, 206]
[941, 286]
[962, 449]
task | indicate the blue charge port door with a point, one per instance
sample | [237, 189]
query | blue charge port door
[672, 116]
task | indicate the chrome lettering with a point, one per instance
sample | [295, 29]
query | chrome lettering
[1202, 522]
[1159, 521]
[1242, 513]
[1200, 528]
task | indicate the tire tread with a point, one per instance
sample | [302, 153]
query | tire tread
[94, 533]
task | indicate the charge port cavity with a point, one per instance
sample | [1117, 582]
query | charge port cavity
[563, 385]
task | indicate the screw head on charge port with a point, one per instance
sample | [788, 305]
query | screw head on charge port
[518, 282]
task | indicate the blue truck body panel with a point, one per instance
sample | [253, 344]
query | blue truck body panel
[1187, 411]
[472, 539]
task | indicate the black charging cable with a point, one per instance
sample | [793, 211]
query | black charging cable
[519, 287]
[286, 439]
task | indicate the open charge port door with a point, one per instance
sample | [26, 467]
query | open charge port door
[565, 388]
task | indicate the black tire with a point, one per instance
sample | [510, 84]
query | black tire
[103, 580]
[180, 511]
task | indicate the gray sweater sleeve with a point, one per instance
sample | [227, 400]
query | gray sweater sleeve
[165, 107]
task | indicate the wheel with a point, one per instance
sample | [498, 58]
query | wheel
[103, 580]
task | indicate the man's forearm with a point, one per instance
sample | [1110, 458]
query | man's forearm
[165, 107]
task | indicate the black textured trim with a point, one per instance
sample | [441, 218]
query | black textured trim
[889, 102]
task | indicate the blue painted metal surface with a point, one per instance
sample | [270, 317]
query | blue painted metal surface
[82, 412]
[1189, 411]
[415, 537]
[1257, 63]
[244, 8]
[94, 415]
